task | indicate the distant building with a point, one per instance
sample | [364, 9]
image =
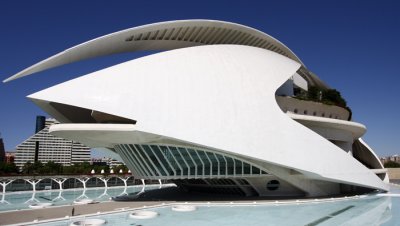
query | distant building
[10, 157]
[106, 161]
[393, 158]
[40, 123]
[45, 147]
[2, 151]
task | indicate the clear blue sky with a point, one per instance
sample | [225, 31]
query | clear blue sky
[352, 45]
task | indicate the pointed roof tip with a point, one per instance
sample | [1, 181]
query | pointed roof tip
[13, 77]
[7, 80]
[16, 76]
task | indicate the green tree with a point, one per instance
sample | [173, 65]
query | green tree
[313, 93]
[27, 168]
[391, 164]
[334, 96]
[32, 168]
[121, 167]
[8, 168]
[51, 168]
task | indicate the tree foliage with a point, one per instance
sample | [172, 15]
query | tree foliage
[8, 168]
[391, 164]
[326, 96]
[78, 168]
[40, 168]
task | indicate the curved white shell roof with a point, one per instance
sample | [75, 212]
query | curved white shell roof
[163, 36]
[219, 96]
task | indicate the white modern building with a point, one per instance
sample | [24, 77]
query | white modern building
[48, 147]
[217, 109]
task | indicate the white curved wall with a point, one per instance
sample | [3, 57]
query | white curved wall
[220, 96]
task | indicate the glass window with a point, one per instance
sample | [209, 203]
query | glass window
[214, 162]
[146, 161]
[207, 164]
[238, 167]
[246, 168]
[162, 159]
[128, 151]
[255, 170]
[178, 158]
[170, 157]
[189, 161]
[196, 159]
[222, 164]
[153, 160]
[230, 165]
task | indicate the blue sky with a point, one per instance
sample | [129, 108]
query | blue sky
[352, 45]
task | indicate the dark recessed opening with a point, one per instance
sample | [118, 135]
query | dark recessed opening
[273, 185]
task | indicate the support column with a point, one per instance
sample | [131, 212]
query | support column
[33, 182]
[159, 181]
[83, 181]
[4, 185]
[105, 186]
[125, 185]
[144, 185]
[60, 182]
[105, 182]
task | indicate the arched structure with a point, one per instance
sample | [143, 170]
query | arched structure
[206, 114]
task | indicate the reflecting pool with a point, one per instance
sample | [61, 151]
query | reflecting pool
[21, 200]
[373, 209]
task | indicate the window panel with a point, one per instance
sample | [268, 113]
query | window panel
[214, 162]
[206, 161]
[189, 161]
[238, 168]
[146, 160]
[153, 160]
[163, 161]
[255, 170]
[222, 164]
[179, 159]
[246, 168]
[230, 165]
[197, 160]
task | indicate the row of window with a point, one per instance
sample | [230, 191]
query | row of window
[154, 161]
[314, 113]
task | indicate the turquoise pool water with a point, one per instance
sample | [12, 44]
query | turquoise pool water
[21, 200]
[365, 210]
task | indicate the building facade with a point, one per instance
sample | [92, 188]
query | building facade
[44, 147]
[223, 110]
[392, 158]
[10, 157]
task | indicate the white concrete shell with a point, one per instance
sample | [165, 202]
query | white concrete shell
[219, 98]
[163, 36]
